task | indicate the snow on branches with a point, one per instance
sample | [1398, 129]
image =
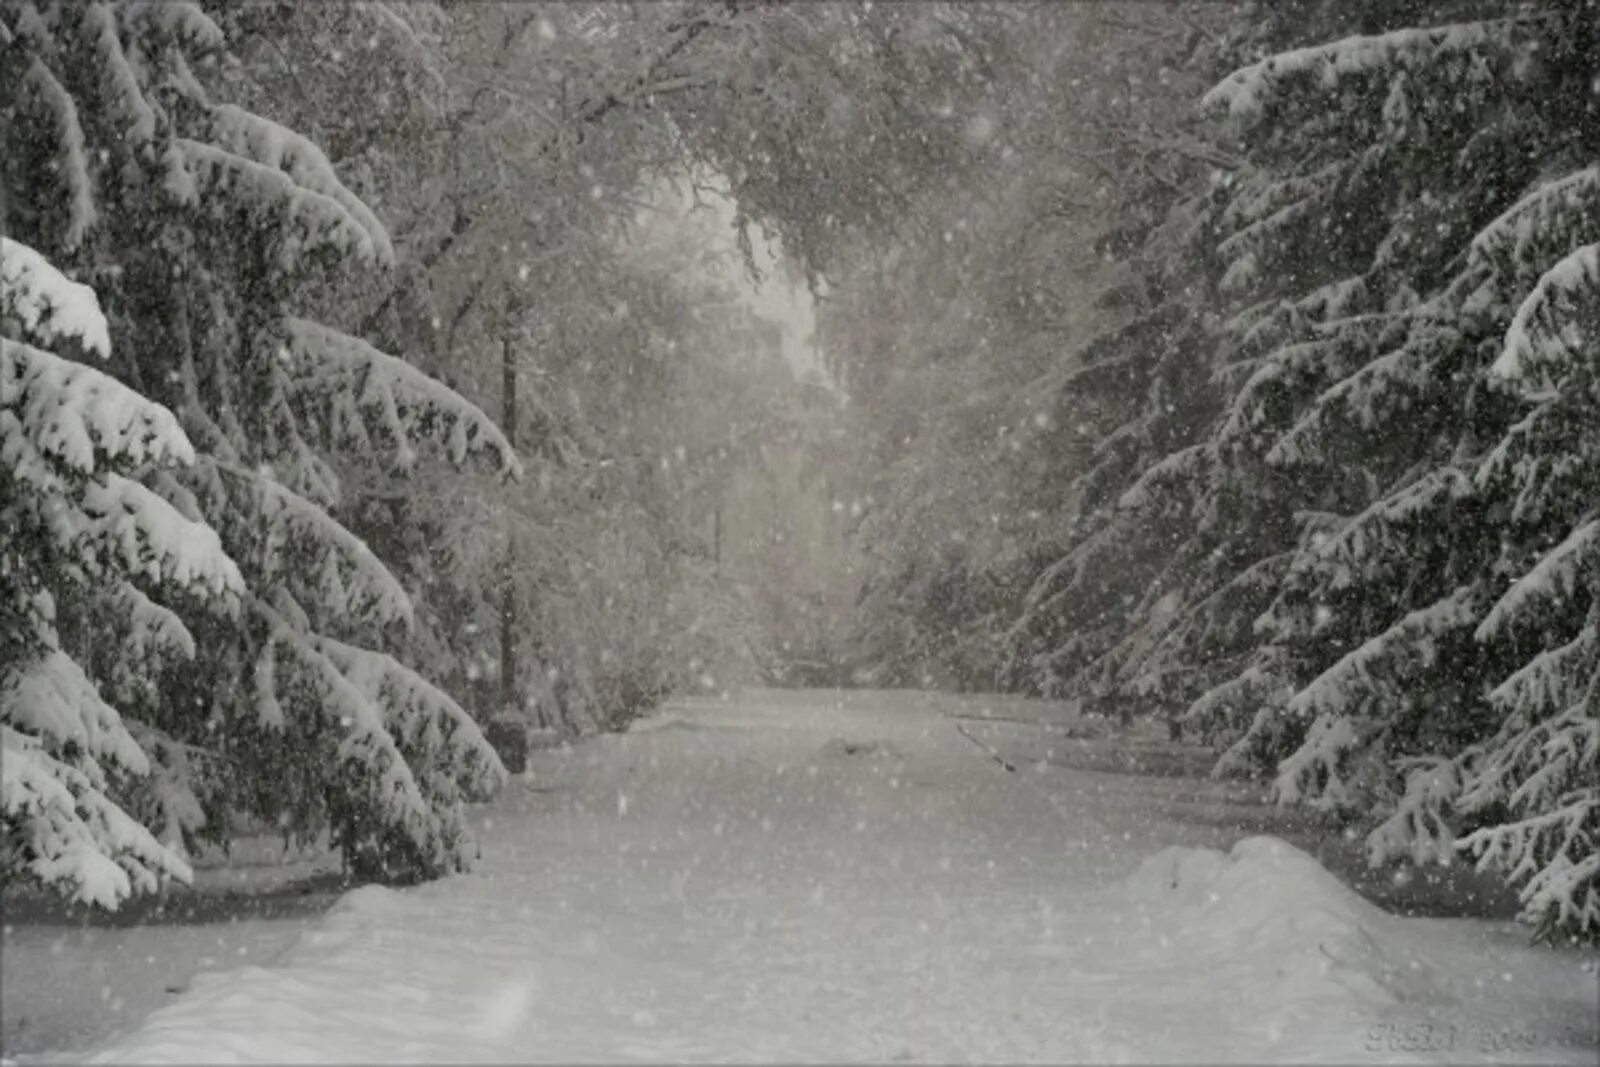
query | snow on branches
[423, 719]
[1374, 541]
[1396, 382]
[1246, 93]
[1557, 327]
[1541, 464]
[1459, 433]
[277, 149]
[383, 779]
[215, 209]
[133, 113]
[41, 91]
[47, 305]
[1254, 696]
[73, 838]
[1526, 231]
[60, 413]
[1570, 569]
[1377, 673]
[1420, 825]
[1180, 473]
[360, 387]
[1220, 622]
[1281, 382]
[132, 530]
[1543, 766]
[296, 544]
[64, 427]
[302, 220]
[53, 700]
[61, 424]
[413, 754]
[177, 21]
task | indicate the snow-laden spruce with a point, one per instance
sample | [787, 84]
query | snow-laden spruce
[1527, 288]
[197, 523]
[1399, 396]
[69, 524]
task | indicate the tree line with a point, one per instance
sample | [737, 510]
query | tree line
[343, 410]
[1232, 365]
[1314, 474]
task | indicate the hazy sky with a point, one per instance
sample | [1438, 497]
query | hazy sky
[778, 297]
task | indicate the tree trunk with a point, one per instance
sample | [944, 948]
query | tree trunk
[716, 535]
[508, 603]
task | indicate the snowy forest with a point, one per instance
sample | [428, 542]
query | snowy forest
[392, 392]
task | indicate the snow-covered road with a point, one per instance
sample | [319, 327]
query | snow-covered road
[809, 878]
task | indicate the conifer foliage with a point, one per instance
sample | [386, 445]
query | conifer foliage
[1362, 500]
[187, 631]
[74, 521]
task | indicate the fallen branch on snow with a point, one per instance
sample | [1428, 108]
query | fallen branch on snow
[962, 730]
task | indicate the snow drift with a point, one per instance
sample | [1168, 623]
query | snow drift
[1276, 914]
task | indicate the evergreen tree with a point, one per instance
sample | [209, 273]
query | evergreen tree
[962, 349]
[78, 525]
[1390, 460]
[1135, 394]
[1394, 631]
[196, 221]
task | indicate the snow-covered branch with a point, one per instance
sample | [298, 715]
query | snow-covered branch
[1557, 327]
[356, 382]
[1246, 92]
[1545, 214]
[122, 90]
[75, 839]
[391, 789]
[363, 584]
[423, 718]
[56, 411]
[1362, 674]
[278, 148]
[133, 530]
[1560, 575]
[304, 220]
[1181, 474]
[49, 306]
[1381, 530]
[72, 164]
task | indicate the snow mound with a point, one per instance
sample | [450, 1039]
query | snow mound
[1272, 905]
[370, 901]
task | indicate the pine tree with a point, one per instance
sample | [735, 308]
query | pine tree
[196, 221]
[76, 525]
[1388, 623]
[1531, 785]
[954, 348]
[1142, 390]
[1398, 463]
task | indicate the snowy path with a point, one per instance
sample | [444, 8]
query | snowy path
[785, 879]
